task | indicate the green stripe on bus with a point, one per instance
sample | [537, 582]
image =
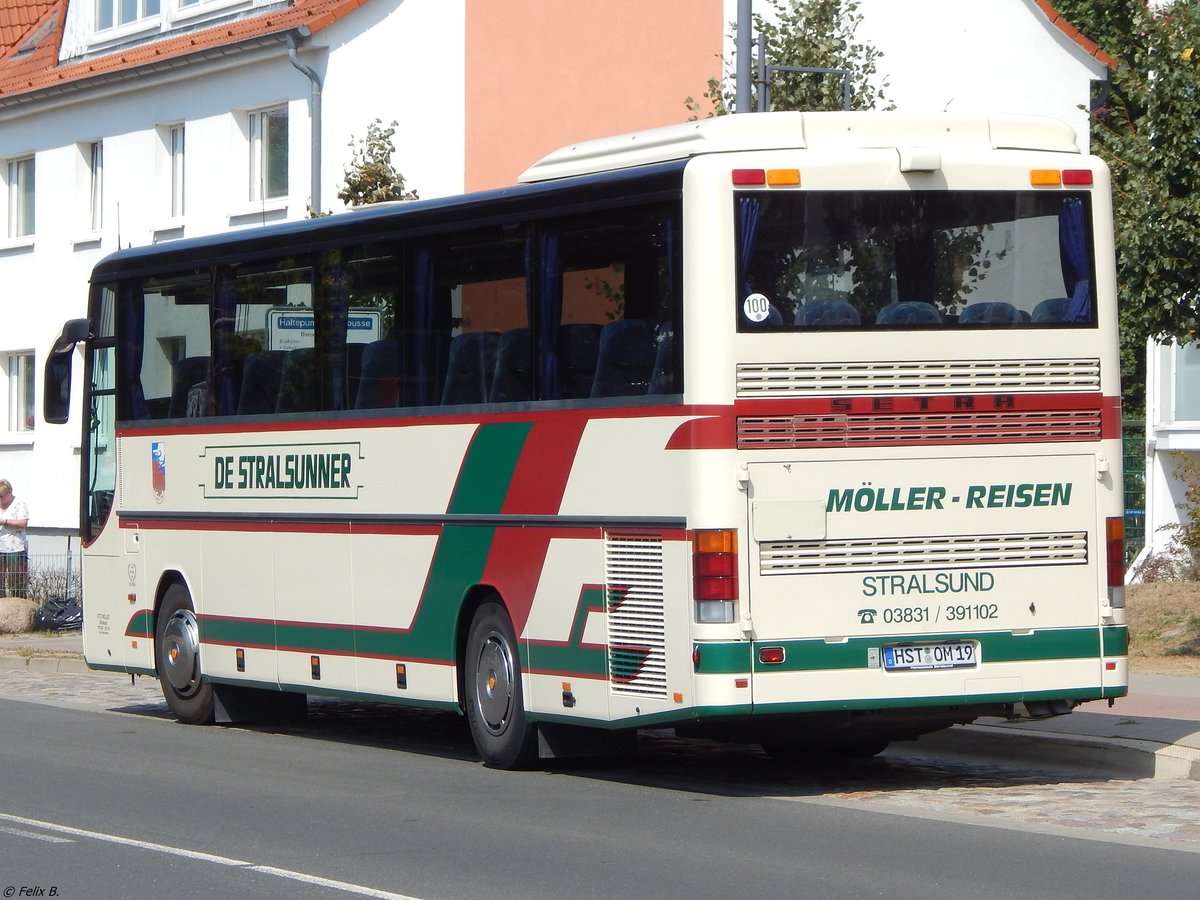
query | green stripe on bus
[1116, 640]
[141, 624]
[488, 468]
[1002, 646]
[724, 659]
[251, 632]
[572, 658]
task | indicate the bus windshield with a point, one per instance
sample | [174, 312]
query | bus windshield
[893, 259]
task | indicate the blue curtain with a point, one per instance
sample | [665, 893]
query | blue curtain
[131, 317]
[749, 211]
[1073, 240]
[424, 351]
[548, 285]
[334, 339]
[226, 364]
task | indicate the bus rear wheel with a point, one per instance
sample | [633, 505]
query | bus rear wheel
[494, 700]
[177, 659]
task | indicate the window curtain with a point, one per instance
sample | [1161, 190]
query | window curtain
[546, 281]
[227, 362]
[131, 338]
[425, 350]
[1073, 240]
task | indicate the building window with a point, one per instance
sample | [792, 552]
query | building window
[175, 152]
[114, 13]
[95, 164]
[20, 197]
[268, 154]
[20, 372]
[1187, 383]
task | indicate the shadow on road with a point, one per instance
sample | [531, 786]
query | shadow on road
[662, 759]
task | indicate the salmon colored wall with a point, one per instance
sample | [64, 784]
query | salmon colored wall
[545, 73]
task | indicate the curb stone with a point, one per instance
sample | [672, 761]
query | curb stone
[60, 665]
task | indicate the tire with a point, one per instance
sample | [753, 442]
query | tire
[177, 659]
[494, 701]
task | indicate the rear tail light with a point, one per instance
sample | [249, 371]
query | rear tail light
[715, 575]
[1114, 546]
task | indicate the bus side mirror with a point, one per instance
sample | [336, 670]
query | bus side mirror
[56, 394]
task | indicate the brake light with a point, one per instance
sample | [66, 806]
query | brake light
[715, 574]
[1114, 546]
[1077, 176]
[749, 176]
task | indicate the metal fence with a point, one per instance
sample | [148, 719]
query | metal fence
[1133, 442]
[48, 575]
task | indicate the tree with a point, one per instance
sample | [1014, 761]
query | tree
[371, 177]
[809, 34]
[1146, 125]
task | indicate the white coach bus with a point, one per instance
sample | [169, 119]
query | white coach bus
[796, 429]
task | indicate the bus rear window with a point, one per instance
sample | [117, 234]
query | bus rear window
[819, 260]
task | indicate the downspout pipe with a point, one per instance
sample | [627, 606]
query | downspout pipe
[314, 118]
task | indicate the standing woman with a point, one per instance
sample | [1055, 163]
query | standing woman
[14, 543]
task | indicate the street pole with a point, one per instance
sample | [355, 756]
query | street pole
[743, 74]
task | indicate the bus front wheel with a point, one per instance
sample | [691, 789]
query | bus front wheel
[494, 699]
[177, 655]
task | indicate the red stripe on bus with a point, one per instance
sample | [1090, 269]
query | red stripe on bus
[540, 477]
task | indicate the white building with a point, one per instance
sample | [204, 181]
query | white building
[124, 123]
[1172, 434]
[131, 122]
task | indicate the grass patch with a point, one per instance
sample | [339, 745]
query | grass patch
[1164, 627]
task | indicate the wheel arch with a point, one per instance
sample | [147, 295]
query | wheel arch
[166, 580]
[475, 597]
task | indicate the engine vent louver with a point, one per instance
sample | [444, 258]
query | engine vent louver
[637, 654]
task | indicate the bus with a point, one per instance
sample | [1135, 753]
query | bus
[791, 429]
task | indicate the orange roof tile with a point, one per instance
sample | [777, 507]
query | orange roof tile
[38, 68]
[1057, 20]
[17, 16]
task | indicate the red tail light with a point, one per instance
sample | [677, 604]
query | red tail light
[715, 574]
[1114, 541]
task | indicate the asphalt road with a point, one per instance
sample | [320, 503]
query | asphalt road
[359, 800]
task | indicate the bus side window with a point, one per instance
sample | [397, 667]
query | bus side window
[618, 276]
[471, 289]
[171, 358]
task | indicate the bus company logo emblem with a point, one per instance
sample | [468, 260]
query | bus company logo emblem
[158, 469]
[132, 573]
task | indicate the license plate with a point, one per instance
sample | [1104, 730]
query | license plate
[947, 655]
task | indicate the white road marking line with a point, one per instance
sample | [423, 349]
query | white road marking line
[37, 837]
[360, 889]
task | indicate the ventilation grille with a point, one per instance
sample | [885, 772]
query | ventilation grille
[878, 554]
[770, 432]
[637, 653]
[929, 377]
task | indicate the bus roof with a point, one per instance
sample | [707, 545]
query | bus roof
[796, 130]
